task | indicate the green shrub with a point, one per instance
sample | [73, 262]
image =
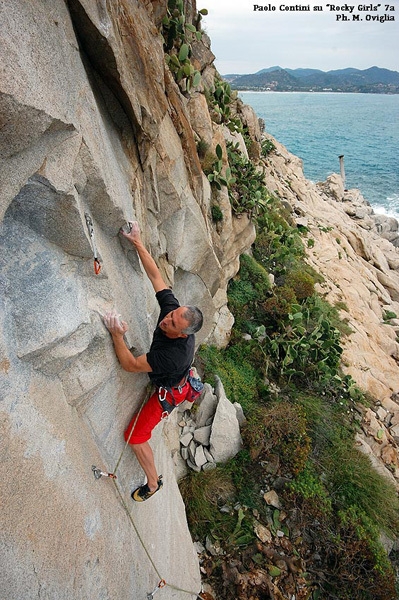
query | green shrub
[303, 349]
[301, 282]
[309, 487]
[208, 162]
[280, 428]
[248, 193]
[233, 365]
[217, 177]
[178, 34]
[278, 246]
[220, 99]
[203, 494]
[347, 473]
[320, 308]
[216, 212]
[388, 315]
[267, 147]
[252, 272]
[356, 565]
[246, 292]
[202, 149]
[245, 476]
[355, 483]
[280, 304]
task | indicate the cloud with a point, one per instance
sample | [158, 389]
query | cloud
[245, 41]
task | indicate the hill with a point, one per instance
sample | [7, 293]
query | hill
[372, 80]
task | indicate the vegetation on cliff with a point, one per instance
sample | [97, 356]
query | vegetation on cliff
[178, 35]
[282, 365]
[320, 535]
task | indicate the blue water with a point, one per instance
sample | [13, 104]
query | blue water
[318, 127]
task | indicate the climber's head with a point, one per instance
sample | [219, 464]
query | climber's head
[182, 322]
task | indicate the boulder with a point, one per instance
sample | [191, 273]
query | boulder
[216, 432]
[207, 406]
[200, 458]
[202, 435]
[225, 440]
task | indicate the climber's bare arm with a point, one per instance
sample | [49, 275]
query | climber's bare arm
[149, 264]
[117, 329]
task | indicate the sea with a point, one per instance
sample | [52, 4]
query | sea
[318, 127]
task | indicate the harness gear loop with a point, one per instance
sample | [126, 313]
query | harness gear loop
[98, 473]
[90, 228]
[160, 585]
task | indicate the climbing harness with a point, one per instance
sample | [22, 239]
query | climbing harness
[160, 585]
[195, 390]
[90, 227]
[98, 473]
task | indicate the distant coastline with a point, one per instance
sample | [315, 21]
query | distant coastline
[374, 80]
[307, 91]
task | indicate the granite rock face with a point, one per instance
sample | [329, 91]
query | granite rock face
[92, 123]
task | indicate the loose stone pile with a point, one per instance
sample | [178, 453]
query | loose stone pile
[380, 426]
[211, 434]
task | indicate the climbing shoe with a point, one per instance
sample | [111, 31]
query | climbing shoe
[143, 492]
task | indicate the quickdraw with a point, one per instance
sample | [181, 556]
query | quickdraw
[90, 227]
[98, 473]
[160, 585]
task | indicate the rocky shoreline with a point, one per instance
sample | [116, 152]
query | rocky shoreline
[356, 252]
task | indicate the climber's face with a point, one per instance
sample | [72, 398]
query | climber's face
[174, 323]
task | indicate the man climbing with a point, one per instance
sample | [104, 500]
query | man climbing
[167, 363]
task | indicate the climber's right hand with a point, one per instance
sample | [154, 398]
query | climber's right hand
[134, 234]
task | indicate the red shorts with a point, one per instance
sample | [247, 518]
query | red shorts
[151, 414]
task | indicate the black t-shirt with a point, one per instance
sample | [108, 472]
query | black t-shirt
[169, 358]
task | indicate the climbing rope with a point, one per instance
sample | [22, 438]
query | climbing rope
[146, 396]
[98, 474]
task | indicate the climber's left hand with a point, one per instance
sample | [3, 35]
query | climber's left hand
[114, 324]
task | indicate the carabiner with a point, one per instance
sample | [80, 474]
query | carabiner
[160, 585]
[98, 473]
[97, 266]
[90, 228]
[165, 394]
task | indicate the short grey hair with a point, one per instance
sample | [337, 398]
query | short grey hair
[195, 318]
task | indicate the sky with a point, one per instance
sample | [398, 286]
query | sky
[245, 40]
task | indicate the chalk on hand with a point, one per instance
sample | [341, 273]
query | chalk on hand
[127, 227]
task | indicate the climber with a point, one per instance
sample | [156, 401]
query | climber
[167, 363]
